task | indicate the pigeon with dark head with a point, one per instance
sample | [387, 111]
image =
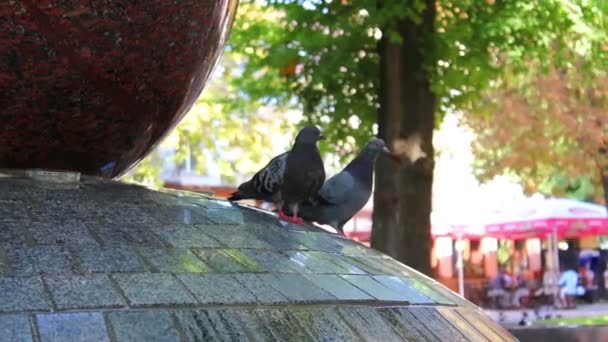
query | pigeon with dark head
[289, 178]
[347, 192]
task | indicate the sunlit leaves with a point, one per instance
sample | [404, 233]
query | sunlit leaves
[547, 130]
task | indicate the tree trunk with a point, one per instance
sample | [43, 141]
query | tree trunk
[402, 199]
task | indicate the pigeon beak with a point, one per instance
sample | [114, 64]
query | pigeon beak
[385, 150]
[321, 137]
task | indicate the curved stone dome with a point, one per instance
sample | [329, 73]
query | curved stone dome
[99, 260]
[94, 85]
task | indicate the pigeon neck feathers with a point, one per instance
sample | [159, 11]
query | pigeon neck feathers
[362, 169]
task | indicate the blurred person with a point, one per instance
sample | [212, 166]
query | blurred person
[588, 282]
[569, 288]
[549, 287]
[521, 289]
[499, 286]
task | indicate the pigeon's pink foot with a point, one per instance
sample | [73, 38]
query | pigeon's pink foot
[296, 220]
[292, 219]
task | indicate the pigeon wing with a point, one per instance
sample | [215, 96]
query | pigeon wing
[269, 179]
[337, 189]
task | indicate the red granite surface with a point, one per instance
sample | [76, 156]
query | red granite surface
[93, 85]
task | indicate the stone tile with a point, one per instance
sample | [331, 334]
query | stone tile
[22, 294]
[125, 214]
[68, 233]
[82, 292]
[276, 237]
[443, 329]
[430, 292]
[104, 192]
[58, 212]
[276, 261]
[408, 326]
[337, 287]
[40, 260]
[212, 203]
[382, 265]
[228, 260]
[149, 326]
[81, 326]
[449, 297]
[15, 328]
[234, 237]
[12, 233]
[173, 260]
[296, 288]
[317, 264]
[325, 323]
[360, 263]
[452, 318]
[262, 291]
[226, 216]
[374, 288]
[212, 325]
[281, 325]
[349, 268]
[484, 324]
[318, 241]
[216, 289]
[5, 269]
[13, 211]
[394, 266]
[153, 289]
[354, 248]
[12, 189]
[406, 292]
[185, 236]
[368, 324]
[110, 260]
[116, 234]
[295, 325]
[174, 214]
[255, 327]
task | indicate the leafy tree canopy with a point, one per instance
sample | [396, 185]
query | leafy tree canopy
[320, 57]
[554, 125]
[323, 53]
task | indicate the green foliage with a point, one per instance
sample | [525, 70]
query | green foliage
[319, 57]
[555, 125]
[476, 43]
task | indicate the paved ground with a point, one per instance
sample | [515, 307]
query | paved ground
[513, 317]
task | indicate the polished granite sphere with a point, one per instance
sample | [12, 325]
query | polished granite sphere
[94, 85]
[99, 260]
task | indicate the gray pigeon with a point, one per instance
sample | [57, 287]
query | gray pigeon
[289, 178]
[344, 194]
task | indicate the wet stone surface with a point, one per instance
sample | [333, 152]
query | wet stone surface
[143, 326]
[173, 260]
[217, 289]
[72, 233]
[228, 260]
[83, 326]
[184, 236]
[82, 292]
[40, 260]
[15, 328]
[153, 289]
[22, 294]
[110, 260]
[106, 261]
[13, 233]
